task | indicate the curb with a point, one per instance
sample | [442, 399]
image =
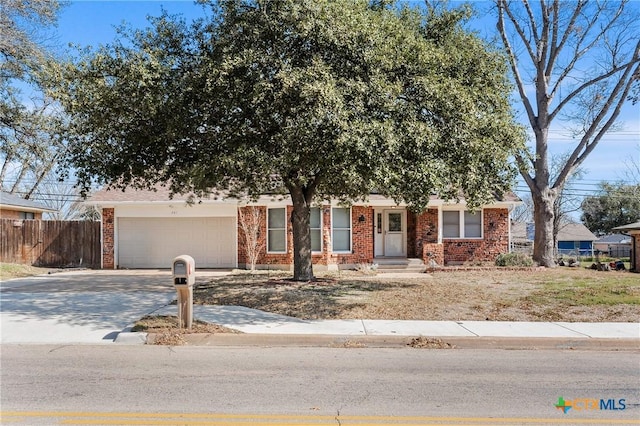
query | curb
[345, 341]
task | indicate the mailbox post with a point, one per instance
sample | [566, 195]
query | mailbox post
[183, 271]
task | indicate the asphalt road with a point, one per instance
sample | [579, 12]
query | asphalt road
[115, 384]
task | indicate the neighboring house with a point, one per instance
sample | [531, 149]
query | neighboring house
[614, 245]
[633, 230]
[146, 229]
[573, 238]
[14, 207]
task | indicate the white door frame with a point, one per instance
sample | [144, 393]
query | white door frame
[395, 233]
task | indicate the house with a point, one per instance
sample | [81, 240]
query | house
[614, 245]
[147, 229]
[14, 207]
[633, 230]
[575, 239]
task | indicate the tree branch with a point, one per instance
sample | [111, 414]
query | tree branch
[513, 61]
[635, 59]
[578, 156]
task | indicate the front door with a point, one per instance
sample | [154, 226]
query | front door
[395, 233]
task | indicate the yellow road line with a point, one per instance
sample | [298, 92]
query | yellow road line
[89, 418]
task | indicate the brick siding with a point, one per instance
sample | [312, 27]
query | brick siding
[15, 214]
[636, 252]
[494, 242]
[108, 238]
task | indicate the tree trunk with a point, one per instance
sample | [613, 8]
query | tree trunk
[543, 243]
[300, 219]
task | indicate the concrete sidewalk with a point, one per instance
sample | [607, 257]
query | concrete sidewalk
[281, 328]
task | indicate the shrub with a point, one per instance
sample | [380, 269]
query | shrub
[514, 259]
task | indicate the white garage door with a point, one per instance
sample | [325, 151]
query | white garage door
[155, 242]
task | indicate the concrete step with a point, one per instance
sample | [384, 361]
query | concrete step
[399, 265]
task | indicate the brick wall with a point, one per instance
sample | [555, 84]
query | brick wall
[422, 240]
[15, 214]
[636, 252]
[361, 244]
[108, 238]
[494, 242]
[362, 239]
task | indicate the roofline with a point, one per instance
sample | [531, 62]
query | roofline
[268, 200]
[16, 207]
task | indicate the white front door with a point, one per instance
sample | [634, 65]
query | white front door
[395, 233]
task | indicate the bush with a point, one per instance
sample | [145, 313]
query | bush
[514, 259]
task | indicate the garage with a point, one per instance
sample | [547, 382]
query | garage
[154, 242]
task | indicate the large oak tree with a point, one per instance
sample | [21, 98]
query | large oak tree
[313, 99]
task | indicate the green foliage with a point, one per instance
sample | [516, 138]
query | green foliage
[615, 205]
[30, 133]
[336, 98]
[514, 260]
[312, 98]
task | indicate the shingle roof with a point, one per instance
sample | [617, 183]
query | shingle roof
[569, 232]
[163, 193]
[10, 200]
[630, 227]
[132, 195]
[575, 232]
[615, 239]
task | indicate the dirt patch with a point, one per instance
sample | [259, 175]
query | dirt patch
[429, 343]
[561, 294]
[165, 330]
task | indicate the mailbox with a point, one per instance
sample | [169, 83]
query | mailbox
[184, 270]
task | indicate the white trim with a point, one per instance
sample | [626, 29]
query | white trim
[385, 221]
[461, 224]
[284, 230]
[320, 228]
[350, 250]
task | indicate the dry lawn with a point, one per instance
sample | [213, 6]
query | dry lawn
[561, 294]
[165, 330]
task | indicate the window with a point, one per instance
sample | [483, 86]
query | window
[451, 224]
[316, 229]
[461, 224]
[277, 230]
[341, 229]
[27, 215]
[472, 225]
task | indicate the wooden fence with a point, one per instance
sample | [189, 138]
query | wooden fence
[50, 243]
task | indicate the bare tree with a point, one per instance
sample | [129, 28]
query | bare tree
[582, 59]
[30, 134]
[251, 220]
[631, 174]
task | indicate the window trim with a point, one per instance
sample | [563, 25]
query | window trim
[284, 230]
[320, 227]
[461, 224]
[333, 228]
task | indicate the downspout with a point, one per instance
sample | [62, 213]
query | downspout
[509, 210]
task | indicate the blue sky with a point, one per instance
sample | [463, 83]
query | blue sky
[93, 22]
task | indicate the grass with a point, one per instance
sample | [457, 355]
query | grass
[560, 294]
[594, 292]
[12, 270]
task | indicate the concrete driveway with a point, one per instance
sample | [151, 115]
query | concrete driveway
[82, 306]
